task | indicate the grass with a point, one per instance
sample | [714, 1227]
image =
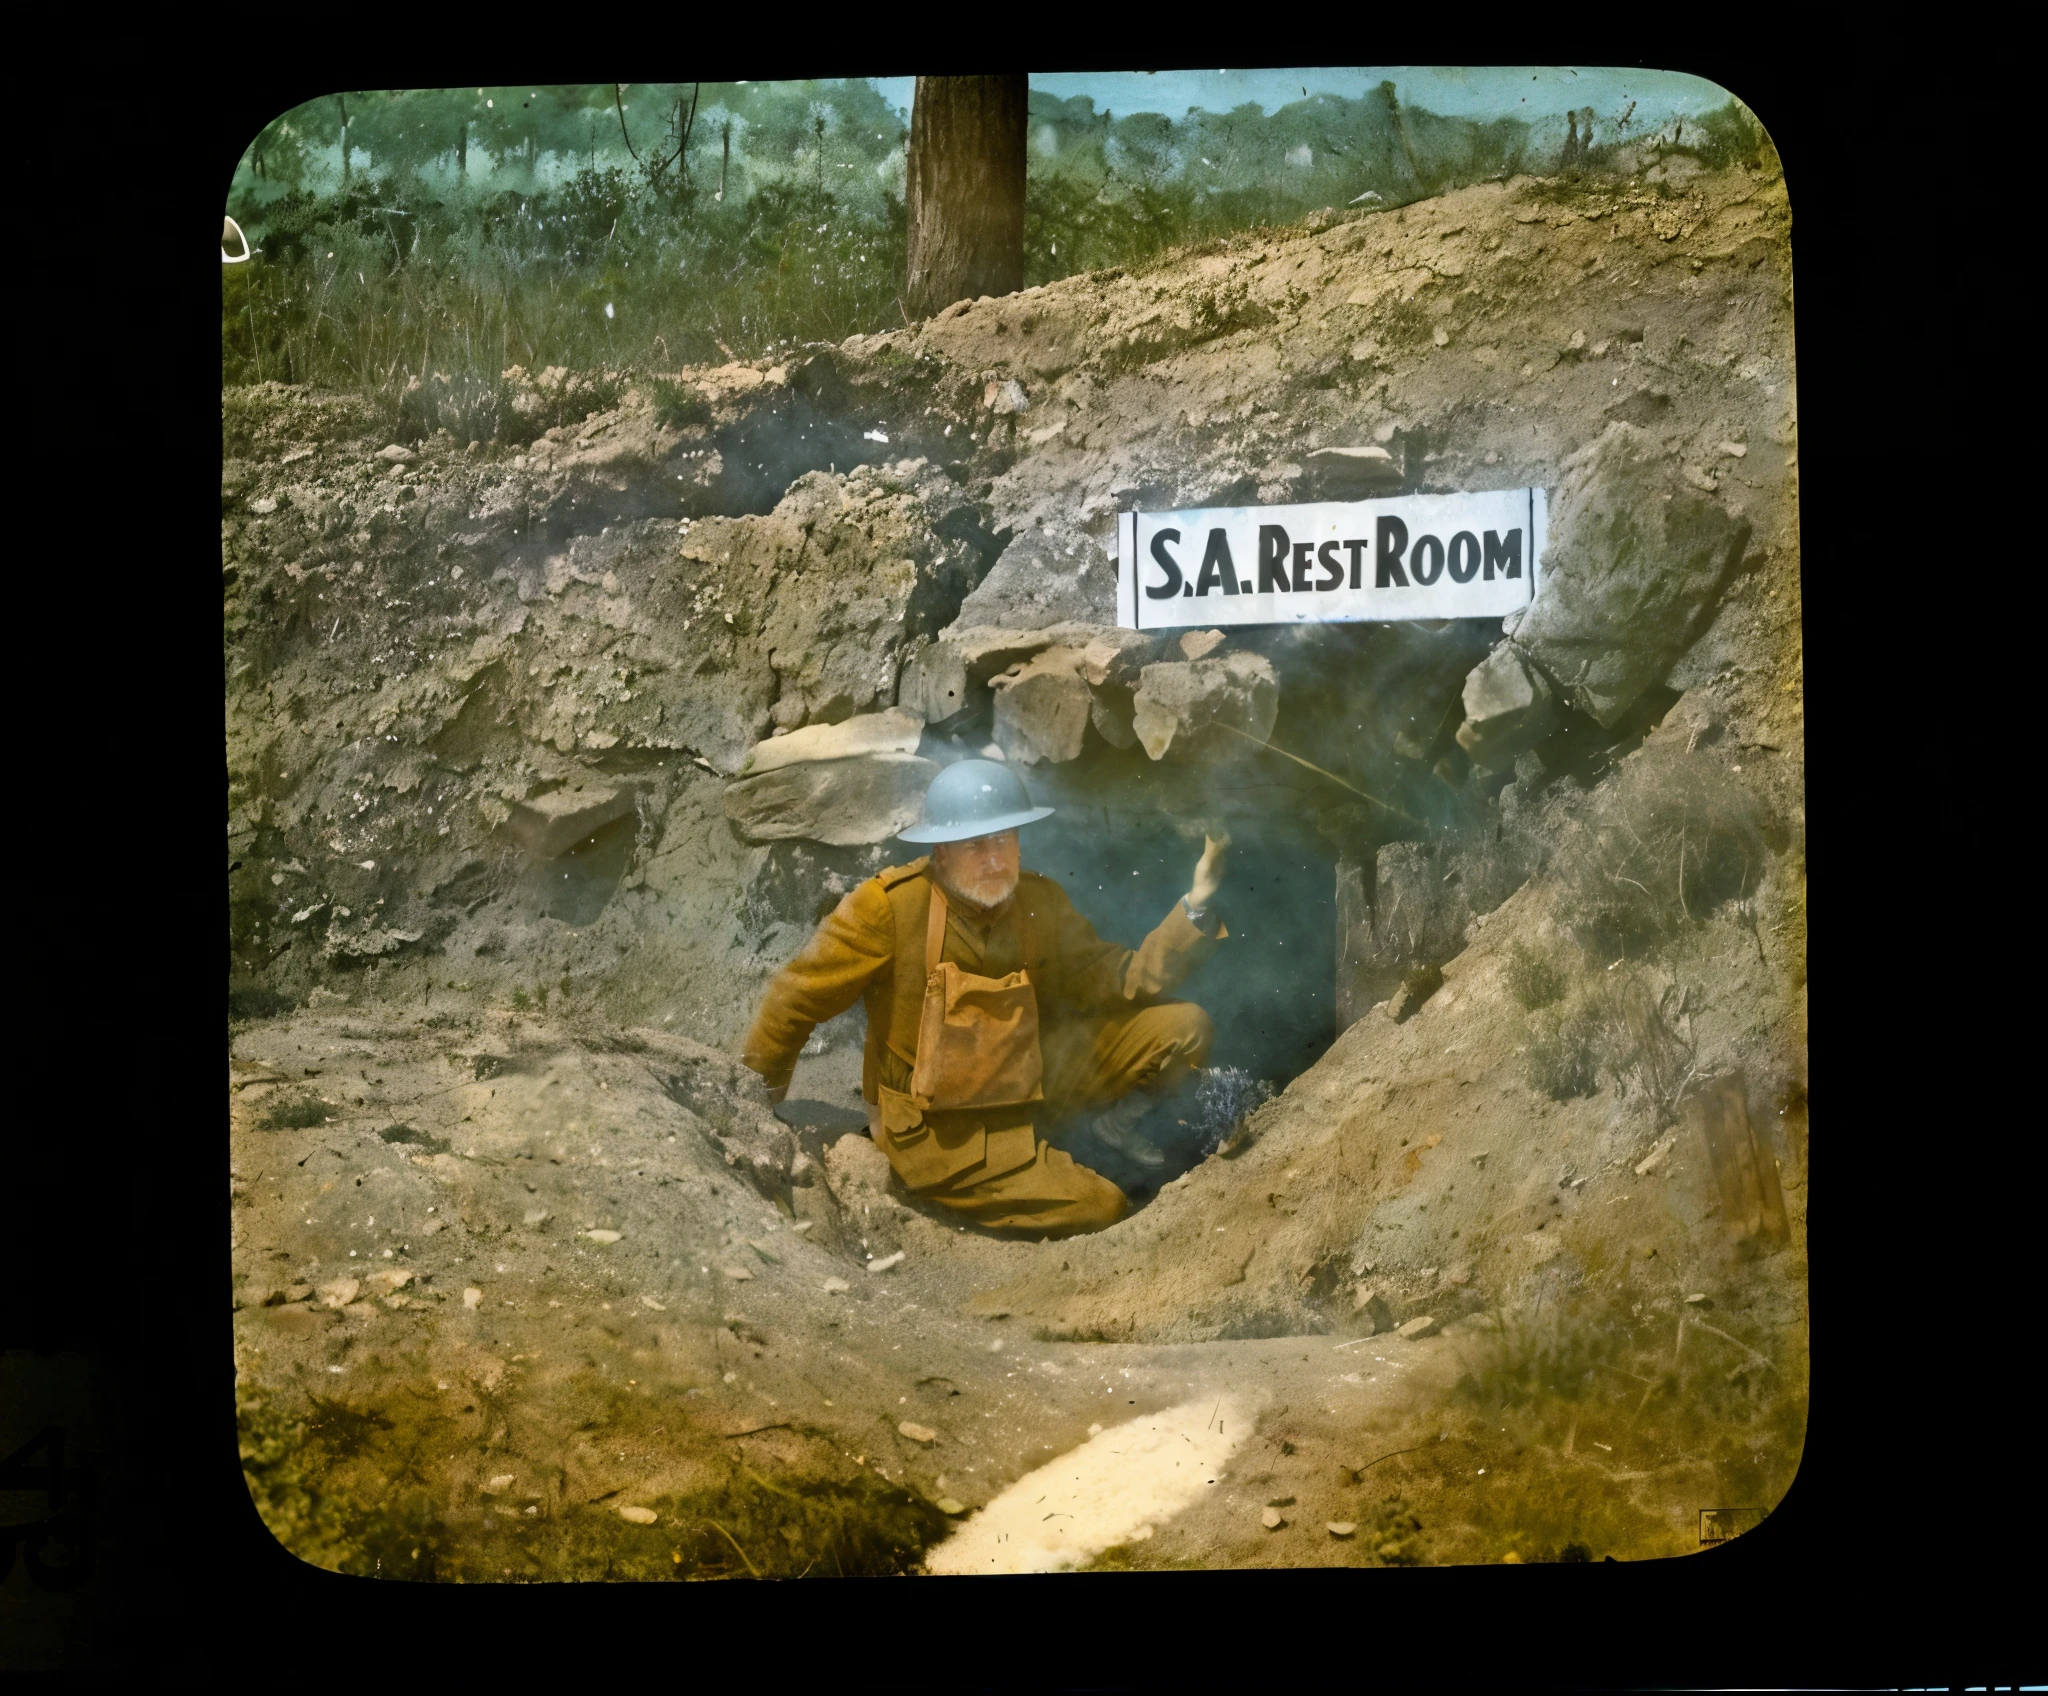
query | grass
[423, 1140]
[1534, 979]
[345, 1486]
[295, 1112]
[1563, 1058]
[1597, 1377]
[422, 299]
[1614, 1027]
[676, 404]
[1674, 839]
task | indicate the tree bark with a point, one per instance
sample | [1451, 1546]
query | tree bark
[966, 191]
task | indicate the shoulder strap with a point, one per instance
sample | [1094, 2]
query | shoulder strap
[1029, 920]
[935, 930]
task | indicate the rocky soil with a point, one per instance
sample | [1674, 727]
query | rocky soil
[541, 761]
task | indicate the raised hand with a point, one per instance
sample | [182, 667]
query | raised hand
[1209, 871]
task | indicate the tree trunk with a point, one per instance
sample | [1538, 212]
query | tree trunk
[343, 104]
[966, 190]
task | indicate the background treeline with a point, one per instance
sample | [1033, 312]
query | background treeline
[447, 235]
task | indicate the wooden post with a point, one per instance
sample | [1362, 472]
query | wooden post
[1752, 1205]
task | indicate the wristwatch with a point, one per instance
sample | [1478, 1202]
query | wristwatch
[1197, 916]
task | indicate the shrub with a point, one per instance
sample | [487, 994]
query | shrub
[1534, 979]
[677, 404]
[294, 1113]
[1674, 838]
[1564, 1053]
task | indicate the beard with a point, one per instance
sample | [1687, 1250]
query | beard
[984, 893]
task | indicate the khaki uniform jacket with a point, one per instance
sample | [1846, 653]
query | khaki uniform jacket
[872, 946]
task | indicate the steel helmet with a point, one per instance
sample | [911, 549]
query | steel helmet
[973, 798]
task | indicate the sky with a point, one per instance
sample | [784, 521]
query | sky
[1527, 91]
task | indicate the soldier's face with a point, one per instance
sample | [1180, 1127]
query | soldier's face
[982, 871]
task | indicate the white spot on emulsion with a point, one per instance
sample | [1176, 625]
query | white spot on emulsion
[1118, 1487]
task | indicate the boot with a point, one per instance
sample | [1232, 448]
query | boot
[1116, 1125]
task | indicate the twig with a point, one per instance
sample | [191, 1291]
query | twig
[1360, 1471]
[1332, 776]
[776, 1489]
[757, 1429]
[1761, 1360]
[735, 1542]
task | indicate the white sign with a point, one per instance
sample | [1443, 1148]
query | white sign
[1331, 562]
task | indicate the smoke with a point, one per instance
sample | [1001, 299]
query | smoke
[1222, 1101]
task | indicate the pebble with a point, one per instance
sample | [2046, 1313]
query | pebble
[1270, 1519]
[918, 1433]
[638, 1516]
[472, 1298]
[1341, 1527]
[887, 1262]
[504, 1481]
[1420, 1326]
[835, 1286]
[1694, 1301]
[603, 1236]
[537, 1216]
[1511, 1559]
[341, 1292]
[738, 1274]
[952, 1509]
[649, 1301]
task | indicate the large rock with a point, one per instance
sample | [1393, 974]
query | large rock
[1394, 913]
[1188, 700]
[1509, 708]
[1045, 577]
[554, 823]
[1043, 707]
[1633, 566]
[830, 589]
[1116, 657]
[843, 803]
[945, 678]
[893, 732]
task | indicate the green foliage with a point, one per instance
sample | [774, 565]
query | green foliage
[1674, 839]
[1535, 980]
[1596, 1375]
[470, 231]
[1564, 1052]
[353, 1487]
[1392, 1531]
[677, 404]
[295, 1112]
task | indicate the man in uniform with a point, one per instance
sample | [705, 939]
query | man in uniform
[995, 1010]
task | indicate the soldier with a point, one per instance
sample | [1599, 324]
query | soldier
[994, 1010]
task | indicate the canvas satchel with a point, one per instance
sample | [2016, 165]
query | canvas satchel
[977, 1037]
